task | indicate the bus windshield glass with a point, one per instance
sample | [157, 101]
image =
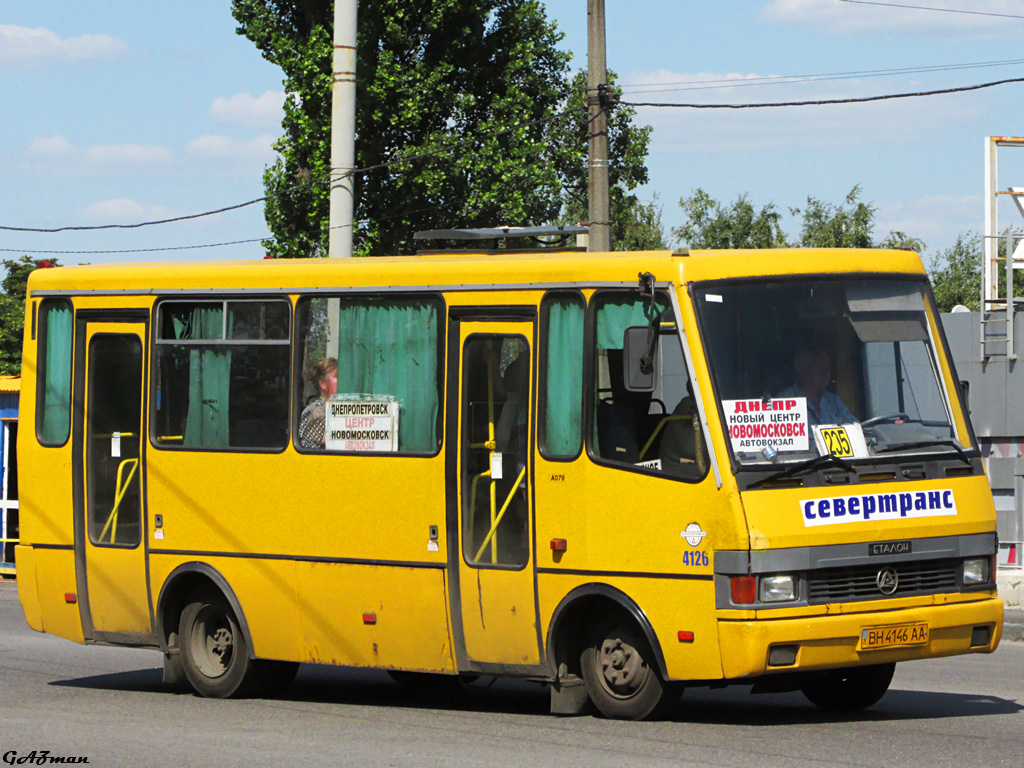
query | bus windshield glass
[841, 367]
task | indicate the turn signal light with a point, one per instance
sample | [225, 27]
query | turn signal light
[70, 598]
[369, 618]
[685, 637]
[559, 545]
[744, 590]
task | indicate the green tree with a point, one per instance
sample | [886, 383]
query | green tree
[956, 273]
[709, 224]
[485, 75]
[850, 224]
[12, 310]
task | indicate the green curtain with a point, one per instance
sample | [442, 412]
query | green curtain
[390, 348]
[209, 381]
[563, 401]
[56, 405]
[615, 315]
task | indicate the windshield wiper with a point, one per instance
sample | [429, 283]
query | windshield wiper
[805, 466]
[961, 454]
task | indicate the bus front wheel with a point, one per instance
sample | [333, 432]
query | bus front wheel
[849, 689]
[214, 650]
[620, 673]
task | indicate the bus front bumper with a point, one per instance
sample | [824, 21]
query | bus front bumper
[754, 648]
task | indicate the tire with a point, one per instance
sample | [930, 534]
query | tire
[848, 690]
[620, 673]
[214, 651]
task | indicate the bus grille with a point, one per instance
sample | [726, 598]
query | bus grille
[836, 585]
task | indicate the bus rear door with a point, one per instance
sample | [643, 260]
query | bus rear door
[110, 549]
[494, 613]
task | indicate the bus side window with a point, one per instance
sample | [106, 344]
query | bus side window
[53, 362]
[376, 349]
[655, 431]
[561, 420]
[222, 374]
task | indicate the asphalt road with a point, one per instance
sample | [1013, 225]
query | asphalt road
[108, 704]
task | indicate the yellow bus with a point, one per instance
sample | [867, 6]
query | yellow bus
[619, 474]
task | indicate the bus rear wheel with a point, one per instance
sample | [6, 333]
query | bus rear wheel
[847, 690]
[620, 673]
[214, 651]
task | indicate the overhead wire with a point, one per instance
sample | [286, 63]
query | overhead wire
[932, 8]
[824, 102]
[748, 82]
[334, 176]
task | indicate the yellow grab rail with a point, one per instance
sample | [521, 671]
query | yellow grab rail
[121, 490]
[490, 538]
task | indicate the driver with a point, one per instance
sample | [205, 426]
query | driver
[813, 374]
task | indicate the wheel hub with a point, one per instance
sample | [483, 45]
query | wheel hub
[621, 666]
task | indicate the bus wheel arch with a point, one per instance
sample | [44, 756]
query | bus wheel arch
[583, 614]
[179, 585]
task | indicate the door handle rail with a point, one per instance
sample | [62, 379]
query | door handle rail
[121, 490]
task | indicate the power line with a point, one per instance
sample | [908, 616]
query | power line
[140, 224]
[931, 8]
[134, 250]
[318, 180]
[725, 82]
[823, 102]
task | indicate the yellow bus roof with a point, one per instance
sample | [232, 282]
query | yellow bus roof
[468, 269]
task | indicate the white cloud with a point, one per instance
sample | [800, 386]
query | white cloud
[103, 157]
[125, 211]
[25, 46]
[244, 109]
[853, 18]
[55, 147]
[936, 219]
[220, 147]
[128, 154]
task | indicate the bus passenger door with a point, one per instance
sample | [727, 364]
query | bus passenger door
[110, 550]
[494, 614]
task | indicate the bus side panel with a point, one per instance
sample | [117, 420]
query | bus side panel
[672, 606]
[265, 590]
[55, 577]
[28, 594]
[375, 616]
[616, 521]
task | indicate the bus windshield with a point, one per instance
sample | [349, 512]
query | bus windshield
[806, 368]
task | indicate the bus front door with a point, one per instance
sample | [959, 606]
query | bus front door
[109, 534]
[492, 562]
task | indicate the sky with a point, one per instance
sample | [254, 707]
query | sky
[123, 112]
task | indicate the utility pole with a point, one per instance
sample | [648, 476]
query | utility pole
[597, 122]
[343, 129]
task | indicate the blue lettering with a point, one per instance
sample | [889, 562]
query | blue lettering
[947, 499]
[854, 505]
[887, 502]
[920, 500]
[838, 507]
[823, 507]
[934, 500]
[808, 510]
[869, 507]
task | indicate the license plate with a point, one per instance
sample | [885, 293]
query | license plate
[872, 638]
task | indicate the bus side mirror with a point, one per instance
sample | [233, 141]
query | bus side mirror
[637, 376]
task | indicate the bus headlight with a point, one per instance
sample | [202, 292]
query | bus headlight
[977, 570]
[778, 589]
